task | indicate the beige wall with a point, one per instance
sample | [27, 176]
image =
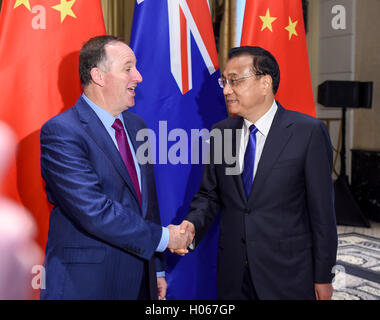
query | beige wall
[367, 68]
[351, 54]
[318, 16]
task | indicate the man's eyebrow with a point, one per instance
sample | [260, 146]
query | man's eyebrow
[230, 74]
[130, 61]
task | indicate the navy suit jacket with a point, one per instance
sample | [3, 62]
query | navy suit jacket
[100, 240]
[285, 231]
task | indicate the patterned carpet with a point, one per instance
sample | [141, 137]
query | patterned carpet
[357, 275]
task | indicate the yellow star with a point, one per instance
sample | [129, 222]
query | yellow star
[65, 8]
[292, 28]
[20, 2]
[267, 21]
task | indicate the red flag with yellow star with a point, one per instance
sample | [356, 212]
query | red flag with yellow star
[277, 26]
[39, 50]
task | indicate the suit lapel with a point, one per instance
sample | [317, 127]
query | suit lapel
[236, 123]
[95, 129]
[277, 138]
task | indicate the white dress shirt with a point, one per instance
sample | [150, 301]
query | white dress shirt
[263, 126]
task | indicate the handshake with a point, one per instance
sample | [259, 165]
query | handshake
[180, 237]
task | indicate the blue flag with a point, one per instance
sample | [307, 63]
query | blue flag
[176, 55]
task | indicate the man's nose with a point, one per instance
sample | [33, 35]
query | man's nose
[138, 77]
[227, 89]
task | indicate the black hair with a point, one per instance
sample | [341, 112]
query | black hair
[263, 62]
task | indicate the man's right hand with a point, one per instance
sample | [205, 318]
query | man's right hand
[185, 228]
[178, 239]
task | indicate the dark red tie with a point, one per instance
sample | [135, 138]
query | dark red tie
[126, 154]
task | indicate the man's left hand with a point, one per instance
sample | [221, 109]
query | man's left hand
[161, 286]
[323, 291]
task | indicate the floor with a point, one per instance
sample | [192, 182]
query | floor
[373, 231]
[357, 274]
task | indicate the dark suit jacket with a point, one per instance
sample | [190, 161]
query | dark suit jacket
[286, 229]
[100, 241]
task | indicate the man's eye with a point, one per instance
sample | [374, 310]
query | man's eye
[233, 81]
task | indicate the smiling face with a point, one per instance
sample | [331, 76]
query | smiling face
[120, 77]
[252, 94]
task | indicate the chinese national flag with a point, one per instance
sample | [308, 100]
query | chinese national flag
[277, 26]
[39, 49]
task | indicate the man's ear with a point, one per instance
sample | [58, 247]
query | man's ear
[267, 83]
[97, 76]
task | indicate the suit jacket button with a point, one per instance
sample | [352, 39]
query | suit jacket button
[247, 211]
[243, 240]
[246, 263]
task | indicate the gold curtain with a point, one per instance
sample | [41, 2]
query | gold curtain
[118, 16]
[227, 34]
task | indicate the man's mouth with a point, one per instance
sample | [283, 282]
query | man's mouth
[229, 101]
[132, 90]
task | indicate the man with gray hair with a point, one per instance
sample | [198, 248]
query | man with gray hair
[105, 236]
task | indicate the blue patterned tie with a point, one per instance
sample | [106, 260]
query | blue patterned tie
[249, 161]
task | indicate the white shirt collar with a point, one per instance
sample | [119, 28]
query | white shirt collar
[264, 123]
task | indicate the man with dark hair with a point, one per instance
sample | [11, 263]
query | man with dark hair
[105, 236]
[278, 237]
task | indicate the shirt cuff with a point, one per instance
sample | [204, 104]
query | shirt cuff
[164, 240]
[161, 274]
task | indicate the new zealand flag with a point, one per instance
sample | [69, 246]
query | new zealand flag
[176, 55]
